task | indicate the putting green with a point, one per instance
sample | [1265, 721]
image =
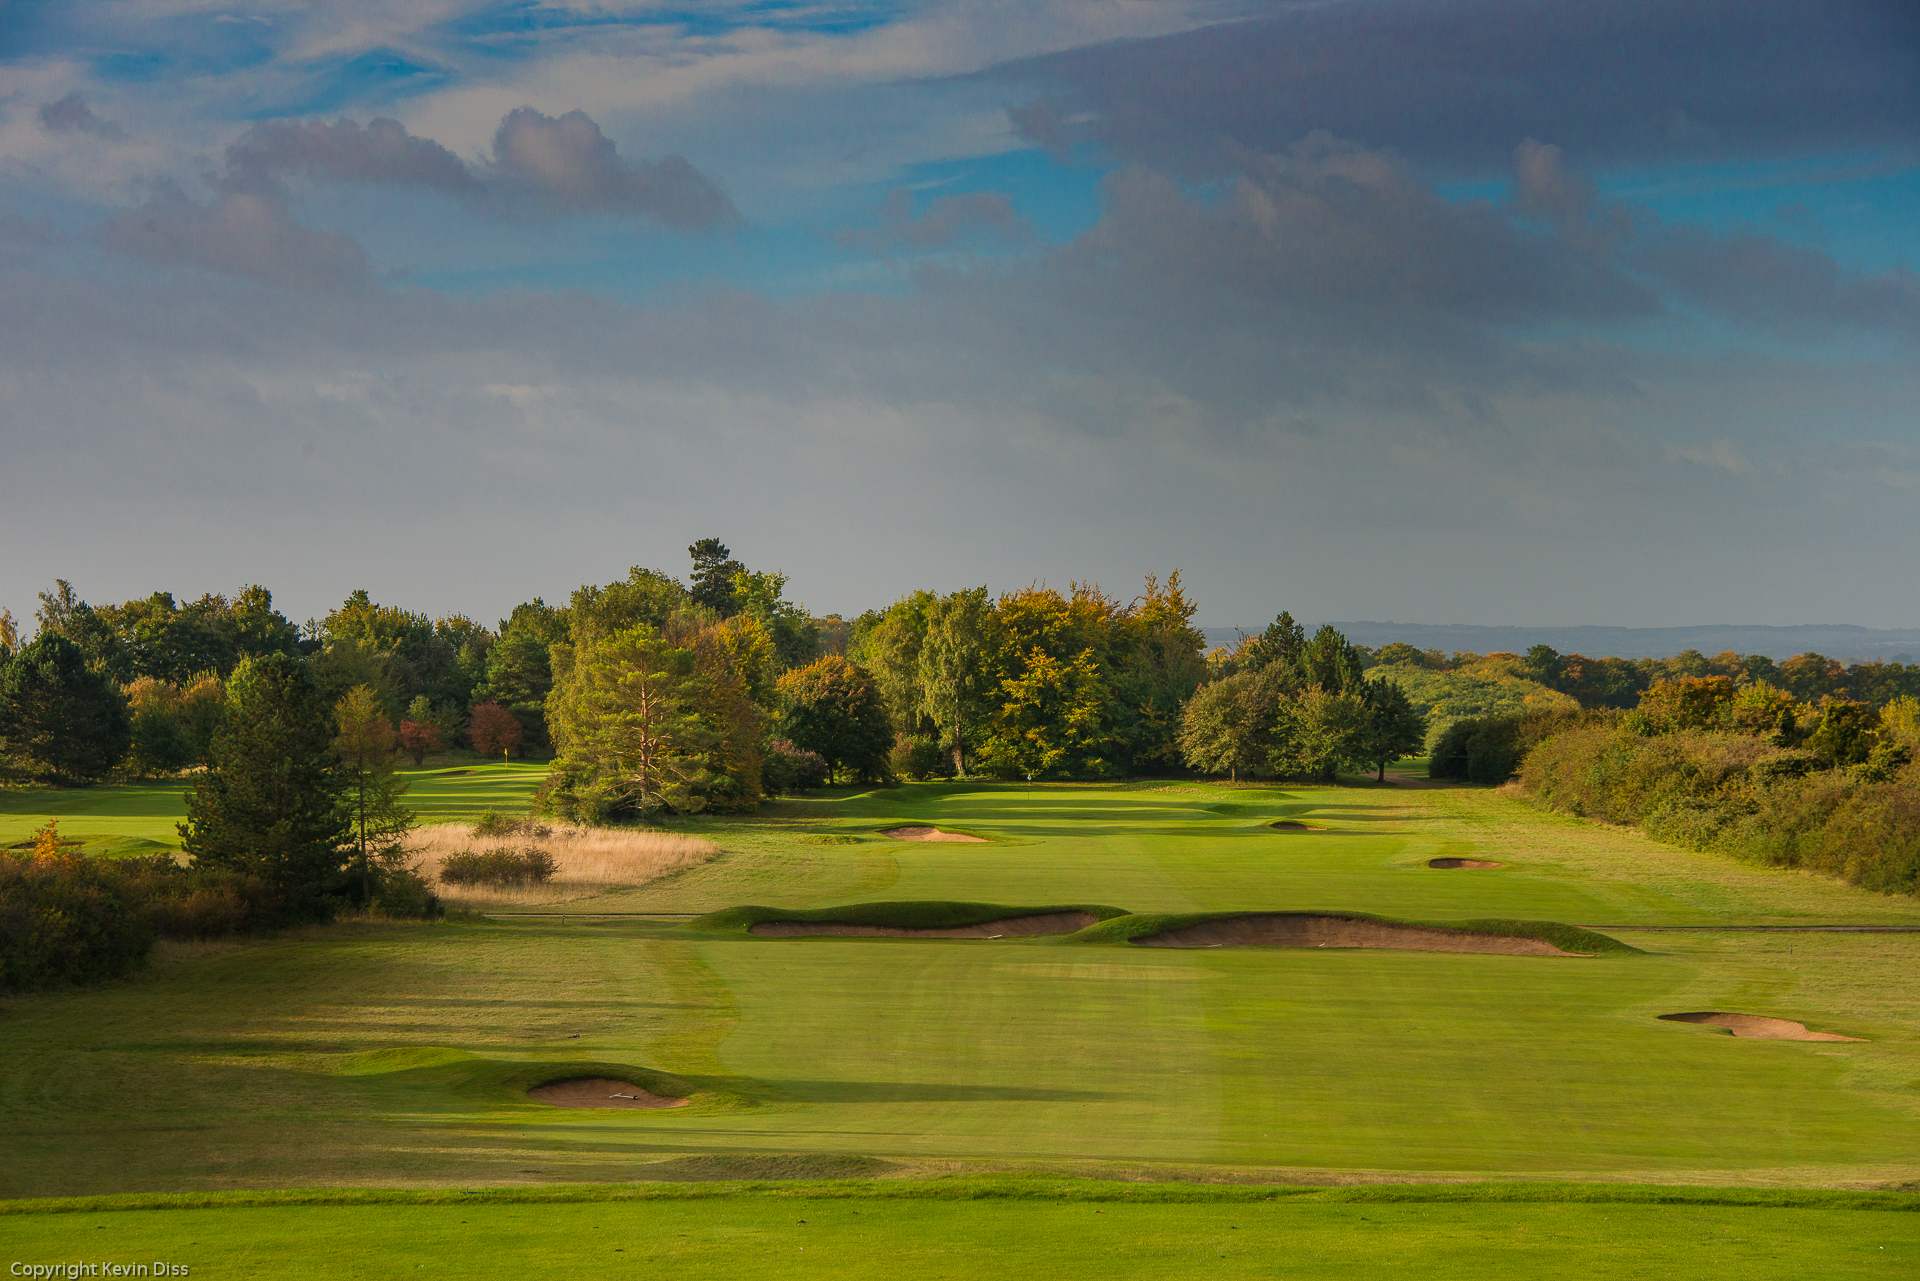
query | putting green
[141, 817]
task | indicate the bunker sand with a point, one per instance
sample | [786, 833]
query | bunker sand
[1045, 923]
[1335, 931]
[1462, 864]
[1288, 825]
[920, 833]
[600, 1092]
[1757, 1026]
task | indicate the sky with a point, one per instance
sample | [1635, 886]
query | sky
[1488, 312]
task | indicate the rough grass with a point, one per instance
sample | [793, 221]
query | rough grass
[1568, 938]
[589, 861]
[929, 915]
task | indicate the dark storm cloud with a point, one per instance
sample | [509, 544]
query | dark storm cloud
[541, 166]
[72, 115]
[1455, 85]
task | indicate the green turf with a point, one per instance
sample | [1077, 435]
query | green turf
[862, 1231]
[386, 1053]
[139, 818]
[1144, 925]
[937, 915]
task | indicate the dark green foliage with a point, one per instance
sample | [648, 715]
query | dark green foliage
[1737, 794]
[713, 571]
[1846, 733]
[1492, 749]
[60, 720]
[1393, 727]
[67, 919]
[268, 806]
[933, 914]
[915, 759]
[502, 865]
[832, 707]
[1283, 643]
[787, 768]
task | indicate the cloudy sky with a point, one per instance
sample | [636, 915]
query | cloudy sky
[1486, 312]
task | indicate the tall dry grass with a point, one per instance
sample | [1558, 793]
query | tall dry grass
[592, 860]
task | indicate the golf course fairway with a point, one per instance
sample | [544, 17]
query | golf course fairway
[972, 1100]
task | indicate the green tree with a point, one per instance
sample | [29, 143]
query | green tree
[370, 788]
[161, 744]
[1220, 732]
[59, 718]
[833, 707]
[951, 675]
[795, 636]
[268, 803]
[1051, 721]
[713, 573]
[1316, 732]
[1392, 726]
[628, 729]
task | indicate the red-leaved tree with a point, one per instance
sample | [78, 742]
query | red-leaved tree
[493, 729]
[417, 738]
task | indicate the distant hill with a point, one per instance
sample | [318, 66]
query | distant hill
[1835, 640]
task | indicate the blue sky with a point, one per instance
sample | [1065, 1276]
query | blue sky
[1490, 312]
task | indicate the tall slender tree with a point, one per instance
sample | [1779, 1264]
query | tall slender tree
[370, 788]
[952, 665]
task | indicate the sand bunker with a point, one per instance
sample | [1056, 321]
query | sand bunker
[1757, 1026]
[1045, 923]
[1462, 864]
[927, 834]
[1337, 931]
[1288, 825]
[600, 1092]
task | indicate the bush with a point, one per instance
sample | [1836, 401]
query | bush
[1740, 795]
[404, 894]
[493, 823]
[501, 866]
[66, 919]
[914, 759]
[787, 768]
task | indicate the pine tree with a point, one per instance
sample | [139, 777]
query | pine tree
[60, 719]
[268, 804]
[629, 731]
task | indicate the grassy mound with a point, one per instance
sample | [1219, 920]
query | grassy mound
[727, 1167]
[1568, 938]
[931, 914]
[471, 1080]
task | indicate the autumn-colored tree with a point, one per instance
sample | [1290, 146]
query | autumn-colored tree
[1050, 721]
[419, 732]
[493, 729]
[370, 789]
[1683, 703]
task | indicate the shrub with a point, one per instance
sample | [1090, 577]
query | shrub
[791, 769]
[914, 759]
[65, 919]
[502, 865]
[404, 894]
